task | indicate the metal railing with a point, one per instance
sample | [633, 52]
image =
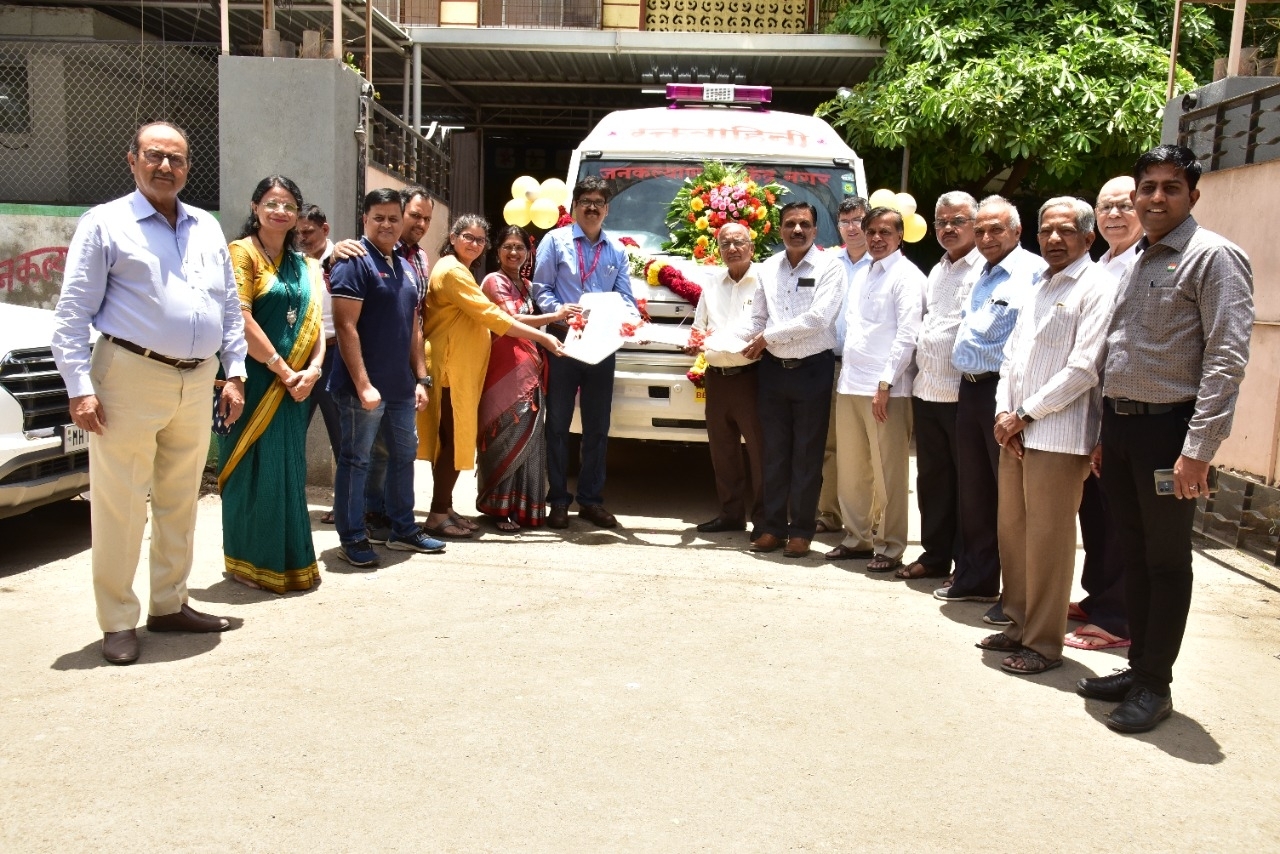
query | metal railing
[397, 148]
[1235, 132]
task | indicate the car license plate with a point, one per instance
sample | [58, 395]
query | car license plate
[700, 395]
[74, 439]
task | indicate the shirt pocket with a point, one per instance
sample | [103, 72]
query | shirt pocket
[1162, 309]
[1060, 325]
[994, 321]
[874, 307]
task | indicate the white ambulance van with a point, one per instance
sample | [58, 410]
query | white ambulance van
[645, 156]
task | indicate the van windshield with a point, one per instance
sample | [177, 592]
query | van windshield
[643, 190]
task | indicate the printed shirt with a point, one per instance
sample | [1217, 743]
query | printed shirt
[948, 285]
[1054, 355]
[1181, 330]
[992, 310]
[565, 255]
[166, 288]
[725, 306]
[851, 268]
[795, 307]
[885, 302]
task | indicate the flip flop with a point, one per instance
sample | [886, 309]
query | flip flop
[327, 519]
[918, 570]
[1076, 639]
[1075, 612]
[462, 522]
[460, 533]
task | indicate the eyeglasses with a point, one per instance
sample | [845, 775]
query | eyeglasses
[733, 244]
[473, 240]
[154, 157]
[956, 222]
[514, 247]
[1066, 231]
[1121, 208]
[273, 205]
[593, 204]
[850, 223]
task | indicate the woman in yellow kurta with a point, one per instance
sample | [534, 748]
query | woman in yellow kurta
[459, 319]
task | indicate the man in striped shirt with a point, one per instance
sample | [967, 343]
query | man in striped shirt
[1048, 411]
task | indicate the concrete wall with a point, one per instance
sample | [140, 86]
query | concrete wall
[295, 117]
[33, 246]
[1233, 203]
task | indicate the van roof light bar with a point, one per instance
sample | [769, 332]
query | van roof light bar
[717, 93]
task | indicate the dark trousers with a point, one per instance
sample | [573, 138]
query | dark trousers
[1155, 537]
[592, 386]
[937, 484]
[442, 468]
[977, 464]
[795, 408]
[736, 444]
[1103, 575]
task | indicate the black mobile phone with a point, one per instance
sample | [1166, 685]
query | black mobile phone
[1164, 481]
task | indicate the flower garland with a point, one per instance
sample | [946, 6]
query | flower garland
[656, 272]
[720, 195]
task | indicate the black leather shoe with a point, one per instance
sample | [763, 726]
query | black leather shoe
[1140, 712]
[597, 515]
[120, 647]
[1113, 688]
[558, 517]
[718, 524]
[188, 620]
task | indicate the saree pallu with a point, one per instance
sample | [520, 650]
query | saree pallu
[262, 471]
[511, 461]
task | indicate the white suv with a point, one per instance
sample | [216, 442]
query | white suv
[43, 457]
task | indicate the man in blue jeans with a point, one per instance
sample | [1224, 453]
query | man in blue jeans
[573, 260]
[382, 373]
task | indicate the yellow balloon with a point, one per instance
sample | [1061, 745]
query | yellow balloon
[555, 190]
[913, 228]
[516, 212]
[882, 199]
[525, 187]
[544, 212]
[906, 203]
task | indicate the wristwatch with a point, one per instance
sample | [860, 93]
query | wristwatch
[425, 382]
[884, 386]
[1022, 413]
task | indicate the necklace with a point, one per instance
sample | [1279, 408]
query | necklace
[292, 300]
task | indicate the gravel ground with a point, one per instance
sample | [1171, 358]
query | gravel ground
[643, 689]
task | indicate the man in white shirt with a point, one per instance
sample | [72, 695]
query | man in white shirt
[937, 387]
[733, 423]
[1049, 410]
[1119, 225]
[792, 319]
[853, 255]
[873, 406]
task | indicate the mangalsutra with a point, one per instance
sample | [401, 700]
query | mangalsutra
[291, 315]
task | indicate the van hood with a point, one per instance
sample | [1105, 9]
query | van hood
[24, 328]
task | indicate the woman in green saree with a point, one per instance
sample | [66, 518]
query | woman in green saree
[266, 528]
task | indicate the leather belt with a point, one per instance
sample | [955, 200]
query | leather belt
[789, 364]
[331, 342]
[180, 364]
[730, 371]
[1124, 406]
[981, 378]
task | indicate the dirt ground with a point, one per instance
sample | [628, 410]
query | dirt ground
[645, 689]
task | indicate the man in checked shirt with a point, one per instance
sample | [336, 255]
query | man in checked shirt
[1176, 353]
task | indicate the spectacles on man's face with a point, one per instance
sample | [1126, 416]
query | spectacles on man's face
[846, 224]
[473, 239]
[733, 244]
[956, 222]
[593, 204]
[1066, 232]
[154, 157]
[276, 206]
[1121, 208]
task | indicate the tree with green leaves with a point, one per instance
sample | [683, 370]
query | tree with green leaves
[1028, 97]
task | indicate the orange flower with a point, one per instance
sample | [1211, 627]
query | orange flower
[766, 228]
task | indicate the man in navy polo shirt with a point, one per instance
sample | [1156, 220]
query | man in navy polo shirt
[382, 372]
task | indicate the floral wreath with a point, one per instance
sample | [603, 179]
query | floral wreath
[720, 195]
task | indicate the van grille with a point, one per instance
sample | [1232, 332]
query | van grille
[33, 380]
[48, 469]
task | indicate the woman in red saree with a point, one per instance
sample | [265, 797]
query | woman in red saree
[512, 459]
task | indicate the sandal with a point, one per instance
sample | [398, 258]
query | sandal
[916, 570]
[327, 518]
[999, 642]
[1075, 612]
[462, 522]
[448, 530]
[1095, 637]
[883, 563]
[1028, 663]
[506, 525]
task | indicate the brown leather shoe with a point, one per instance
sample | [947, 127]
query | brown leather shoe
[597, 515]
[796, 547]
[766, 543]
[120, 647]
[188, 620]
[558, 517]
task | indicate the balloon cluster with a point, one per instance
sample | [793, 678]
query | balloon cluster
[913, 225]
[535, 202]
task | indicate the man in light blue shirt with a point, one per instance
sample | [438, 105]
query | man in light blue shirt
[987, 318]
[154, 277]
[573, 260]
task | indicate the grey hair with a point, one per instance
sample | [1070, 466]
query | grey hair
[956, 199]
[1083, 210]
[1015, 221]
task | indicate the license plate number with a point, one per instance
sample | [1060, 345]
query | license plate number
[74, 439]
[700, 395]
